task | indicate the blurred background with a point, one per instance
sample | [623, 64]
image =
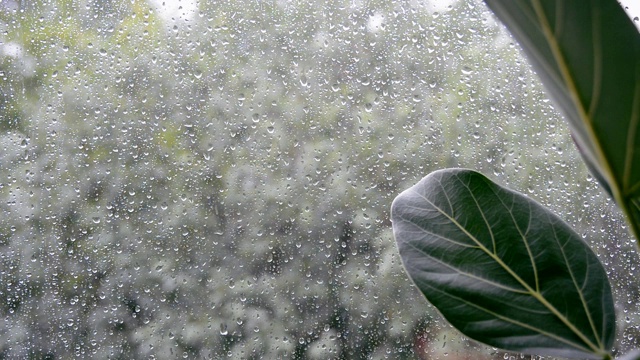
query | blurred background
[212, 179]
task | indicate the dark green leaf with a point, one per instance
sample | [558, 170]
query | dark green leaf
[503, 269]
[587, 53]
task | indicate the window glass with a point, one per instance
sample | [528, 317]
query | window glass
[208, 179]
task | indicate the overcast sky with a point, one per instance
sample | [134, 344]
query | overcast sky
[633, 9]
[186, 9]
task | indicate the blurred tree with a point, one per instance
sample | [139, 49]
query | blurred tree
[217, 182]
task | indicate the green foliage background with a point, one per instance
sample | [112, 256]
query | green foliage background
[219, 183]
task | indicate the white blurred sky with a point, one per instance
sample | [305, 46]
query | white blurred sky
[172, 10]
[633, 9]
[187, 9]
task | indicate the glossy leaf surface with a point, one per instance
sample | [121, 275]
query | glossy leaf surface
[587, 54]
[503, 269]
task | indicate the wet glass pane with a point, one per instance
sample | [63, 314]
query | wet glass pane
[208, 179]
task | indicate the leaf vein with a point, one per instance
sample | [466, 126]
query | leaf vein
[465, 273]
[513, 321]
[597, 61]
[632, 132]
[579, 288]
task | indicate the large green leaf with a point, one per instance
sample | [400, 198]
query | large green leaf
[587, 54]
[503, 269]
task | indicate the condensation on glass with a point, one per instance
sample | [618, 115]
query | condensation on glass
[213, 179]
